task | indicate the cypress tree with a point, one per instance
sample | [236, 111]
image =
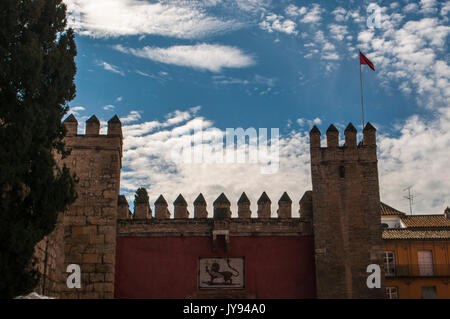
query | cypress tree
[37, 70]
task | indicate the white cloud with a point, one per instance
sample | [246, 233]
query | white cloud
[133, 116]
[409, 55]
[308, 123]
[445, 9]
[119, 99]
[428, 6]
[338, 32]
[148, 162]
[107, 18]
[417, 156]
[339, 14]
[274, 22]
[210, 57]
[313, 15]
[76, 110]
[110, 68]
[109, 107]
[252, 5]
[410, 7]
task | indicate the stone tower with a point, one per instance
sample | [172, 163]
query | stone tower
[90, 223]
[346, 218]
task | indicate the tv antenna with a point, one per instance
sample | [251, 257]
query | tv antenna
[410, 198]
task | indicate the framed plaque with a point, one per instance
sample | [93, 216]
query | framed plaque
[221, 272]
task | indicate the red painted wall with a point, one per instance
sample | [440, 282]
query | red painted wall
[166, 267]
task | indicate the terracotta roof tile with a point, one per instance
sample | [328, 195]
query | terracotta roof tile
[411, 234]
[425, 221]
[387, 210]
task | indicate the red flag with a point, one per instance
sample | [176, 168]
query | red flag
[364, 60]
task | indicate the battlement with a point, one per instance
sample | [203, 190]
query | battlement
[221, 208]
[90, 223]
[346, 218]
[350, 151]
[92, 139]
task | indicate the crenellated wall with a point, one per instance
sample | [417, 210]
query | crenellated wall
[346, 213]
[323, 253]
[278, 251]
[89, 225]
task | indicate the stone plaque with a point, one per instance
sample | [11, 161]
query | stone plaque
[221, 272]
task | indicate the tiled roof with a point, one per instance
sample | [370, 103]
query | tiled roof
[425, 221]
[387, 210]
[419, 234]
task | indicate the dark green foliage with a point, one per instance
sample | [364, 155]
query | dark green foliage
[141, 196]
[37, 71]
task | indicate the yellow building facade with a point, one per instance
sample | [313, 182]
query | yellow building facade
[416, 254]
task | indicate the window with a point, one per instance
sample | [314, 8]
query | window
[341, 171]
[429, 292]
[391, 293]
[389, 263]
[425, 258]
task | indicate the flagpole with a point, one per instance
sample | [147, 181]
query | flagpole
[360, 81]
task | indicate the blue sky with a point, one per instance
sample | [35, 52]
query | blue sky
[163, 67]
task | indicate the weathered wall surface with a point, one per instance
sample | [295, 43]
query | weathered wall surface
[90, 223]
[49, 254]
[167, 267]
[337, 236]
[346, 213]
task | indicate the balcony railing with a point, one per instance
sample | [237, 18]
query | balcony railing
[436, 270]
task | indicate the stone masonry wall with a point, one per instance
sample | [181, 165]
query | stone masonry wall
[49, 254]
[346, 218]
[90, 223]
